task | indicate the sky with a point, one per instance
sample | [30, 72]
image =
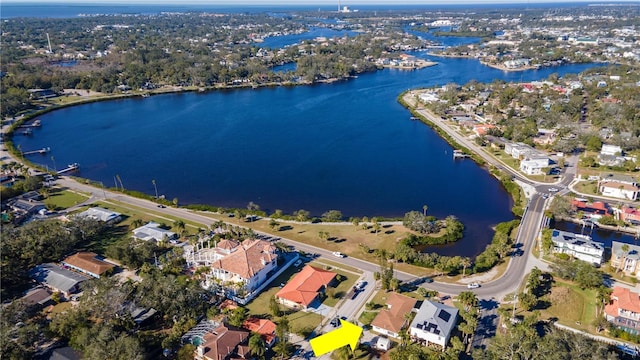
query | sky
[309, 2]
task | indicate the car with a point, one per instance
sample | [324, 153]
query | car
[361, 284]
[338, 254]
[428, 280]
[473, 286]
[297, 263]
[161, 206]
[553, 189]
[335, 322]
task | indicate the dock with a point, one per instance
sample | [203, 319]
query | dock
[69, 168]
[459, 154]
[35, 123]
[39, 151]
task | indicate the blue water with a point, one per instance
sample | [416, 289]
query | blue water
[276, 42]
[348, 146]
[285, 67]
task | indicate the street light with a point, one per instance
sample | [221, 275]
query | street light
[155, 187]
[54, 164]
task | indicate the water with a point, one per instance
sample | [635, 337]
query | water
[348, 146]
[276, 42]
[285, 67]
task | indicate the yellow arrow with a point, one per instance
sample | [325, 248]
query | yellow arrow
[348, 334]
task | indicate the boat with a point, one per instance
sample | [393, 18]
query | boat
[27, 132]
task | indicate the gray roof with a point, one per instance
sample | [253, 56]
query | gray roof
[436, 318]
[65, 353]
[633, 253]
[619, 178]
[56, 277]
[99, 213]
[575, 239]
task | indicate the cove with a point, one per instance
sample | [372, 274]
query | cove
[347, 146]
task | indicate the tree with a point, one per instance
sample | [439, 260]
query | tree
[274, 307]
[356, 222]
[424, 210]
[332, 215]
[274, 224]
[257, 345]
[469, 299]
[179, 225]
[237, 316]
[301, 215]
[324, 235]
[155, 187]
[625, 251]
[466, 262]
[282, 333]
[603, 296]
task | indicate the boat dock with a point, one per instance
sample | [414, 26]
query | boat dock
[35, 123]
[458, 154]
[40, 151]
[69, 168]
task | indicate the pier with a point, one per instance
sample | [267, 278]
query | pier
[39, 151]
[35, 123]
[69, 168]
[458, 154]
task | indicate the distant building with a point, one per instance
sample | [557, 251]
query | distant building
[391, 320]
[623, 310]
[265, 327]
[222, 343]
[630, 215]
[153, 232]
[434, 323]
[580, 247]
[88, 263]
[305, 287]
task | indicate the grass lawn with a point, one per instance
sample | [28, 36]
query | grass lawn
[367, 317]
[63, 199]
[587, 187]
[342, 289]
[323, 263]
[571, 305]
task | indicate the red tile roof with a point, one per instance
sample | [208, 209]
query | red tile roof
[87, 261]
[248, 258]
[625, 299]
[392, 318]
[266, 328]
[304, 287]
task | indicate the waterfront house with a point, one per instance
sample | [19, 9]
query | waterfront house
[619, 186]
[88, 263]
[596, 209]
[221, 343]
[623, 310]
[434, 323]
[391, 320]
[305, 287]
[629, 214]
[239, 269]
[100, 214]
[153, 232]
[627, 261]
[518, 150]
[65, 281]
[578, 246]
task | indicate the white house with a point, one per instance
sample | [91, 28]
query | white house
[153, 231]
[518, 150]
[579, 246]
[619, 186]
[100, 214]
[535, 165]
[434, 323]
[628, 261]
[611, 150]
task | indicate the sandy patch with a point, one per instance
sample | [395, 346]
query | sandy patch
[480, 278]
[81, 92]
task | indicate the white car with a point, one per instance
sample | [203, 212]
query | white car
[553, 190]
[338, 254]
[473, 286]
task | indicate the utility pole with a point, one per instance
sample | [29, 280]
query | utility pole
[49, 42]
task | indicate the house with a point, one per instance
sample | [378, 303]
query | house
[383, 343]
[619, 186]
[518, 150]
[266, 328]
[580, 247]
[611, 150]
[59, 279]
[623, 310]
[100, 214]
[88, 263]
[629, 215]
[596, 209]
[65, 353]
[223, 343]
[37, 298]
[535, 165]
[239, 269]
[628, 261]
[611, 155]
[305, 287]
[391, 320]
[434, 323]
[153, 232]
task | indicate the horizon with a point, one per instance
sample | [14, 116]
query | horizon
[312, 3]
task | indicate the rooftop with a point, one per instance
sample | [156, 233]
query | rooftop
[304, 287]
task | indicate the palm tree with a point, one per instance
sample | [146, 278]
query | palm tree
[155, 187]
[136, 223]
[424, 210]
[466, 262]
[179, 225]
[468, 299]
[623, 257]
[324, 235]
[273, 224]
[257, 345]
[603, 296]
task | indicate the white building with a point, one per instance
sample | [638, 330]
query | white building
[611, 150]
[535, 165]
[579, 246]
[628, 261]
[619, 186]
[519, 150]
[100, 214]
[153, 231]
[434, 323]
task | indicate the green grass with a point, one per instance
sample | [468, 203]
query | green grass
[63, 199]
[571, 305]
[342, 289]
[324, 262]
[367, 317]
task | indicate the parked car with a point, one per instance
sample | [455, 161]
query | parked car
[553, 189]
[297, 263]
[473, 285]
[339, 254]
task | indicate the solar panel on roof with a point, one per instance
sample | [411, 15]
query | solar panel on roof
[444, 315]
